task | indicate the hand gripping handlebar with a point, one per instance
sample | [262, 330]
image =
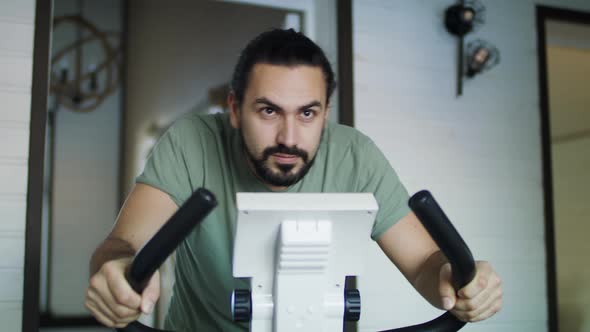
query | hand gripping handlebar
[200, 204]
[155, 251]
[453, 247]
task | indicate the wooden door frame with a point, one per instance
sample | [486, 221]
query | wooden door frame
[544, 13]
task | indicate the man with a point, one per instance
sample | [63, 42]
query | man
[277, 138]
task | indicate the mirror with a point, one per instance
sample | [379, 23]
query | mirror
[121, 72]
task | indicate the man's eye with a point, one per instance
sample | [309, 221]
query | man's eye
[307, 114]
[268, 111]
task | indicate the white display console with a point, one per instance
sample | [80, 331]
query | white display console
[297, 250]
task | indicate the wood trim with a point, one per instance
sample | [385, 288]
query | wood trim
[543, 14]
[345, 63]
[123, 111]
[39, 92]
[346, 92]
[562, 14]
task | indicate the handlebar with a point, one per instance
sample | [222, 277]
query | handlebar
[156, 250]
[453, 247]
[202, 201]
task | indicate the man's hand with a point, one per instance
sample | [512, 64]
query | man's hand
[111, 299]
[479, 300]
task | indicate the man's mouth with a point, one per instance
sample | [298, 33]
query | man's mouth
[282, 158]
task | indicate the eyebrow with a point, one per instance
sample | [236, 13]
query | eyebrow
[266, 101]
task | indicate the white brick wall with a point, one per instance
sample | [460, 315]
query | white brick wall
[479, 154]
[16, 47]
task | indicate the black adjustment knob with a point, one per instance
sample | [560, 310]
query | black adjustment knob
[352, 305]
[241, 305]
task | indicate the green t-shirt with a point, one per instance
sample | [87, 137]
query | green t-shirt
[205, 151]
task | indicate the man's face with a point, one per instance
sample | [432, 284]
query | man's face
[281, 120]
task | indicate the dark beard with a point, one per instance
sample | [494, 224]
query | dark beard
[284, 177]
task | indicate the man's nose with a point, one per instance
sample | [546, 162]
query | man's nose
[287, 134]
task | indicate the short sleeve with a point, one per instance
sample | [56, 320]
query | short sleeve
[377, 176]
[166, 167]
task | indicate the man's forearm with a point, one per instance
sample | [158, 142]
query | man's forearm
[427, 281]
[111, 248]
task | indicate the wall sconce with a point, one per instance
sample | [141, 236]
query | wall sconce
[481, 56]
[76, 85]
[464, 17]
[460, 19]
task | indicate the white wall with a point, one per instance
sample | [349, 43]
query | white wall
[17, 23]
[479, 154]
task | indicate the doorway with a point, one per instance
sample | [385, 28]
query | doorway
[564, 65]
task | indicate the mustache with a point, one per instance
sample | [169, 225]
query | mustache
[294, 151]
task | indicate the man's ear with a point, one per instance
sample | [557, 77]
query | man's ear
[234, 110]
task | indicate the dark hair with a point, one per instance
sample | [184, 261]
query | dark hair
[280, 47]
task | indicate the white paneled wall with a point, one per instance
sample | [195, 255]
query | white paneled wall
[479, 154]
[16, 63]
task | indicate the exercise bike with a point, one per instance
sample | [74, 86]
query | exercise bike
[202, 201]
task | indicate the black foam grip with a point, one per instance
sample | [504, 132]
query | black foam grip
[139, 327]
[444, 323]
[153, 254]
[453, 247]
[446, 237]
